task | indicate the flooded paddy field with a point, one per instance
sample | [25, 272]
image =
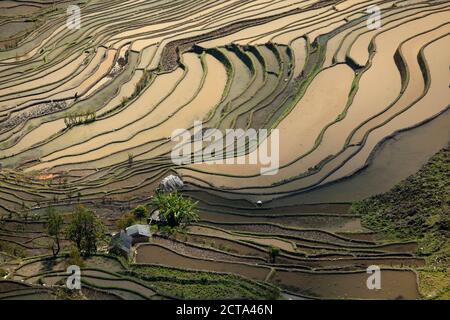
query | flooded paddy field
[93, 114]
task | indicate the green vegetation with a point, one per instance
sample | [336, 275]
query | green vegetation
[143, 82]
[256, 84]
[12, 249]
[130, 159]
[204, 285]
[140, 212]
[177, 211]
[75, 257]
[418, 209]
[85, 230]
[67, 294]
[137, 215]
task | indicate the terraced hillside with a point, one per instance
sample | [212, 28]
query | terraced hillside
[86, 117]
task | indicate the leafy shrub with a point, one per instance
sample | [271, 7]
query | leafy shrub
[140, 212]
[126, 220]
[55, 224]
[75, 257]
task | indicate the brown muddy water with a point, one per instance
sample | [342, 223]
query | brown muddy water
[394, 160]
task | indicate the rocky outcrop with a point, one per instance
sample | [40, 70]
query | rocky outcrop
[34, 112]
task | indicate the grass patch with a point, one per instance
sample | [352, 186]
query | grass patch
[203, 285]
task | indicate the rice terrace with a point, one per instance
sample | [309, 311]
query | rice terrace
[330, 119]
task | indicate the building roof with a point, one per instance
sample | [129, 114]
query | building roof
[139, 230]
[121, 240]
